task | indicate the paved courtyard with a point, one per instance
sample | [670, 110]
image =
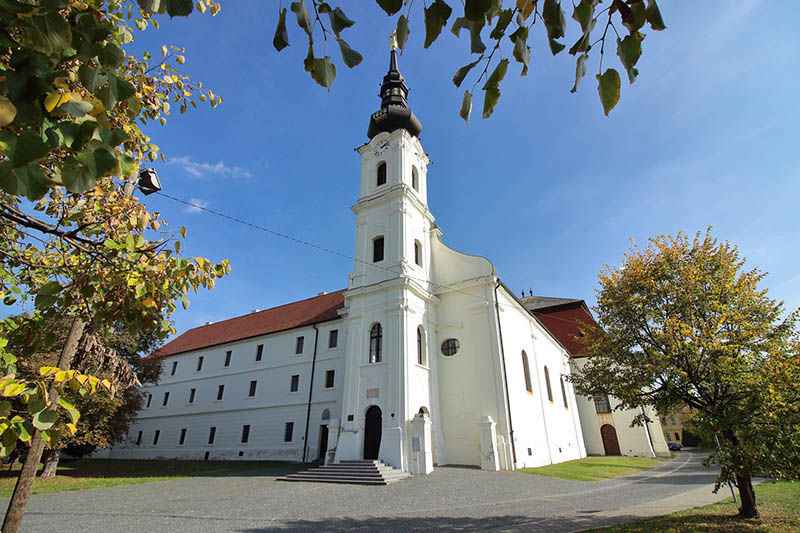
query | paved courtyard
[452, 498]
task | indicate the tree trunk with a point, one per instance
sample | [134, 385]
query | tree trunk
[747, 494]
[22, 490]
[51, 458]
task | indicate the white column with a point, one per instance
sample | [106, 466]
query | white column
[421, 450]
[489, 458]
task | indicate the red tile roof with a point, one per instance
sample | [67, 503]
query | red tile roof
[294, 315]
[563, 321]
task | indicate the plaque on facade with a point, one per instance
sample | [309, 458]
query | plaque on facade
[415, 444]
[373, 393]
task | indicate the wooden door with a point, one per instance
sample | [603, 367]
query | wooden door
[610, 442]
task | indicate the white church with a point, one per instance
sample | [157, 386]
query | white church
[425, 359]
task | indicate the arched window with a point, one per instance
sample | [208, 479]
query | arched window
[326, 414]
[414, 179]
[381, 173]
[527, 372]
[421, 359]
[375, 342]
[417, 253]
[564, 393]
[377, 249]
[547, 382]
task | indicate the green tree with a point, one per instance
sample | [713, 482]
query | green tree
[681, 322]
[507, 25]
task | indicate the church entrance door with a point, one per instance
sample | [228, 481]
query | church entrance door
[323, 442]
[610, 442]
[372, 432]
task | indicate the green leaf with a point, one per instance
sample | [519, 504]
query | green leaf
[10, 299]
[24, 431]
[36, 405]
[476, 45]
[339, 20]
[458, 79]
[633, 15]
[8, 111]
[127, 164]
[44, 420]
[402, 31]
[25, 148]
[476, 10]
[153, 6]
[555, 22]
[91, 78]
[308, 62]
[466, 107]
[78, 177]
[653, 15]
[436, 16]
[608, 88]
[350, 57]
[76, 108]
[281, 38]
[490, 98]
[497, 75]
[5, 409]
[580, 71]
[179, 8]
[324, 71]
[303, 18]
[522, 52]
[583, 14]
[35, 180]
[9, 441]
[54, 30]
[110, 55]
[184, 301]
[51, 288]
[629, 49]
[390, 6]
[9, 181]
[503, 19]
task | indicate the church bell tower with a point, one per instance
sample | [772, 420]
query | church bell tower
[390, 305]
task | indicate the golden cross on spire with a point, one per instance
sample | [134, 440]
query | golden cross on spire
[393, 38]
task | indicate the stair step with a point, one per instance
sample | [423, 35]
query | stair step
[355, 471]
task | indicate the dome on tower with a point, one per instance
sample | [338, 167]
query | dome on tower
[394, 112]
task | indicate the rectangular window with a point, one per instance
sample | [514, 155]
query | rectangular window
[166, 399]
[601, 404]
[245, 433]
[417, 253]
[377, 249]
[299, 346]
[329, 376]
[253, 385]
[155, 437]
[295, 383]
[287, 432]
[139, 439]
[174, 368]
[183, 437]
[191, 395]
[220, 391]
[211, 434]
[149, 399]
[259, 352]
[333, 338]
[228, 358]
[200, 363]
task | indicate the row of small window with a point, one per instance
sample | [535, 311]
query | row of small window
[294, 386]
[378, 246]
[529, 386]
[212, 435]
[381, 176]
[677, 436]
[333, 341]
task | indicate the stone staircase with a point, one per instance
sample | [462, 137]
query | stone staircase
[364, 472]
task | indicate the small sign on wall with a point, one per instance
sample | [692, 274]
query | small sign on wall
[373, 393]
[415, 447]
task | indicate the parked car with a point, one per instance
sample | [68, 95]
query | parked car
[674, 446]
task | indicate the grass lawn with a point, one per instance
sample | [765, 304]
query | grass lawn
[96, 473]
[596, 468]
[778, 504]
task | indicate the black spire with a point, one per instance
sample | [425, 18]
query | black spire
[394, 112]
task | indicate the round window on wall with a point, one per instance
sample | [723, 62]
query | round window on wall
[450, 347]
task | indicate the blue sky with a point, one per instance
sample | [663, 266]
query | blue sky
[549, 189]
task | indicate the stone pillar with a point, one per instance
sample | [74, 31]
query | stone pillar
[489, 458]
[421, 449]
[333, 440]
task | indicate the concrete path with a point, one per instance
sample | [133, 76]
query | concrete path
[456, 499]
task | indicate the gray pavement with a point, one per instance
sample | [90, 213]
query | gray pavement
[451, 498]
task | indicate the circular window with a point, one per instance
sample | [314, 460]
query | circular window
[450, 347]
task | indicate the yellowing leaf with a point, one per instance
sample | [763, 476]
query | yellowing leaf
[48, 370]
[55, 99]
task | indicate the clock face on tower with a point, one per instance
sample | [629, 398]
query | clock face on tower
[382, 146]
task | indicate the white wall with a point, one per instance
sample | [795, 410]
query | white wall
[266, 412]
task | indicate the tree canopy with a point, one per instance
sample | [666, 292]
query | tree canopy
[506, 24]
[682, 322]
